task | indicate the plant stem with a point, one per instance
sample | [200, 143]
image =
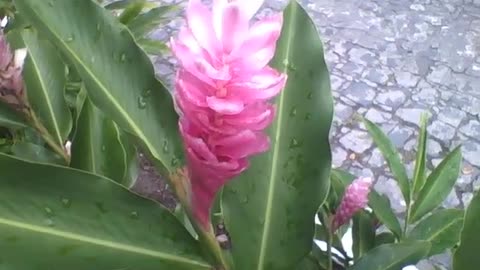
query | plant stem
[48, 138]
[329, 249]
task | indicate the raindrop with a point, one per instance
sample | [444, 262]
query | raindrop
[104, 148]
[69, 39]
[293, 112]
[50, 3]
[262, 221]
[101, 207]
[165, 146]
[92, 59]
[294, 143]
[310, 95]
[48, 211]
[66, 202]
[147, 93]
[174, 162]
[142, 103]
[134, 215]
[99, 26]
[245, 199]
[123, 57]
[308, 116]
[49, 222]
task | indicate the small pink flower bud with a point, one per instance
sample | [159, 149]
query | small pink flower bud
[11, 81]
[354, 199]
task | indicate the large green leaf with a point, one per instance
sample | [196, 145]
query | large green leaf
[118, 75]
[437, 186]
[363, 234]
[45, 78]
[10, 118]
[393, 256]
[421, 160]
[391, 156]
[36, 153]
[99, 147]
[55, 217]
[442, 229]
[150, 20]
[466, 256]
[269, 210]
[379, 203]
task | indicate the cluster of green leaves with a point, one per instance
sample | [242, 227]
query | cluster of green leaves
[89, 80]
[427, 230]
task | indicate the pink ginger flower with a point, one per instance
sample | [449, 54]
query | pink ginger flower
[222, 90]
[354, 199]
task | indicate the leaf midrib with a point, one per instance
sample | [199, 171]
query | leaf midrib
[44, 93]
[275, 153]
[103, 243]
[130, 122]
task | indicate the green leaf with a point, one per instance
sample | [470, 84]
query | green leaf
[98, 147]
[379, 203]
[45, 78]
[122, 4]
[132, 10]
[363, 234]
[321, 235]
[437, 186]
[150, 20]
[466, 256]
[36, 153]
[151, 46]
[118, 75]
[420, 161]
[10, 118]
[62, 218]
[441, 228]
[391, 156]
[269, 210]
[384, 238]
[393, 256]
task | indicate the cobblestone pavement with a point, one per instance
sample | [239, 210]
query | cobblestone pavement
[390, 61]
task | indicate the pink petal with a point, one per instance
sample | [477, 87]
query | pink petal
[225, 106]
[262, 86]
[234, 27]
[242, 145]
[259, 47]
[255, 117]
[199, 21]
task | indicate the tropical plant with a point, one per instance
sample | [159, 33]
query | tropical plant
[243, 142]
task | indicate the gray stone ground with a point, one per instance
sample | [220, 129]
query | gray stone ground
[389, 61]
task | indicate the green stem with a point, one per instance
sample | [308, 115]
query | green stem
[329, 250]
[48, 138]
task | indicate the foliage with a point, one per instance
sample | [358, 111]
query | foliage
[89, 83]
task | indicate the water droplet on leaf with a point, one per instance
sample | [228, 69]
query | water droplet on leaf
[174, 162]
[123, 57]
[104, 148]
[293, 112]
[50, 3]
[69, 39]
[142, 103]
[66, 202]
[101, 207]
[49, 222]
[165, 146]
[310, 95]
[48, 211]
[134, 215]
[308, 116]
[294, 143]
[147, 93]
